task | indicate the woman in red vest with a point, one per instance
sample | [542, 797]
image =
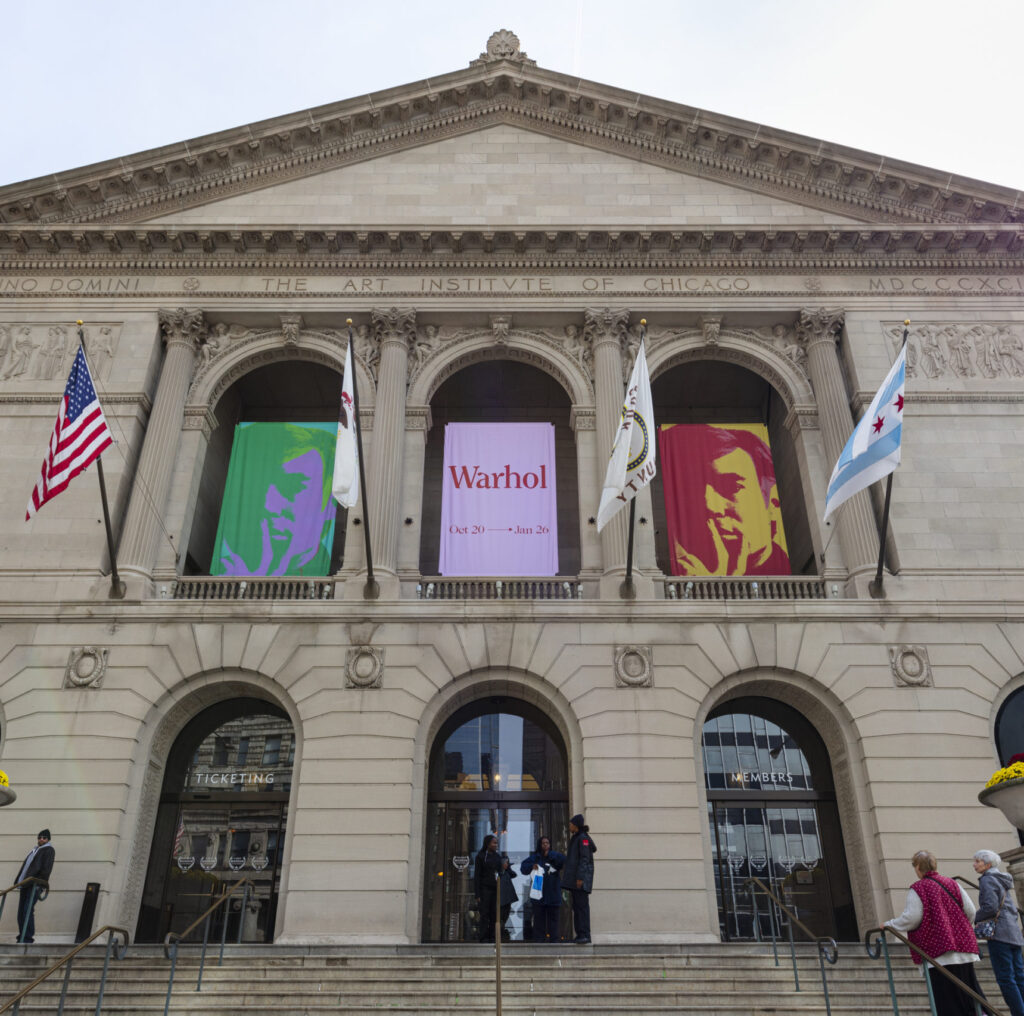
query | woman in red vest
[937, 919]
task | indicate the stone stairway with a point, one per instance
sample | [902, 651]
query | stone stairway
[696, 980]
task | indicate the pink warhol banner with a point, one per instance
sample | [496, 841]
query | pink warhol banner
[498, 510]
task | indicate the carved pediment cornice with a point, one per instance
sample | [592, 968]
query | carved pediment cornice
[103, 248]
[503, 87]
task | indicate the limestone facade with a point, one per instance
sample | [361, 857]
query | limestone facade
[508, 213]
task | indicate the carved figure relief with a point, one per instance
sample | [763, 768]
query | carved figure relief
[366, 347]
[960, 350]
[424, 344]
[43, 352]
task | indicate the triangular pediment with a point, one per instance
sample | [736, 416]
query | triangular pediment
[654, 143]
[503, 176]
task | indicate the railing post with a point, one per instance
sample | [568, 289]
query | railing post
[792, 953]
[225, 914]
[928, 985]
[771, 924]
[103, 978]
[170, 979]
[64, 988]
[497, 945]
[202, 957]
[892, 983]
[241, 916]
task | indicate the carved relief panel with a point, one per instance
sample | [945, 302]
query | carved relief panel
[962, 355]
[30, 353]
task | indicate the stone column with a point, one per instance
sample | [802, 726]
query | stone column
[394, 330]
[184, 332]
[606, 332]
[819, 331]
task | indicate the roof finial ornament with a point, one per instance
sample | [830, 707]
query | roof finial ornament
[503, 45]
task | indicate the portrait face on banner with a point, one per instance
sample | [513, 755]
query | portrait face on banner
[277, 516]
[721, 500]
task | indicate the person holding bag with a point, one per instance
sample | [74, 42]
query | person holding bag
[937, 919]
[544, 865]
[998, 921]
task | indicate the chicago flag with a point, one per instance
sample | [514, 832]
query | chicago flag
[345, 485]
[873, 450]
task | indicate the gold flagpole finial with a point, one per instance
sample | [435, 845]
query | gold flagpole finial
[643, 321]
[906, 322]
[348, 321]
[79, 322]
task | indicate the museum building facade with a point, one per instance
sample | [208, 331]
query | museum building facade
[503, 238]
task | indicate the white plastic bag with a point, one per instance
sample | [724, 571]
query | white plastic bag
[537, 883]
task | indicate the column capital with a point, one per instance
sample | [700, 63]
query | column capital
[607, 325]
[394, 325]
[819, 325]
[183, 327]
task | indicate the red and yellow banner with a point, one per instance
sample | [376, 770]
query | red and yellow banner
[721, 500]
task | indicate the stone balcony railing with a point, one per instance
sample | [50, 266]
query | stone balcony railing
[795, 587]
[491, 588]
[435, 587]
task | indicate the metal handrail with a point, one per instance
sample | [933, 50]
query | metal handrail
[881, 948]
[36, 896]
[14, 1004]
[966, 881]
[828, 950]
[173, 939]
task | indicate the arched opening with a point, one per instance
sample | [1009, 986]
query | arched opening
[222, 815]
[774, 524]
[773, 815]
[497, 766]
[285, 510]
[502, 391]
[1010, 727]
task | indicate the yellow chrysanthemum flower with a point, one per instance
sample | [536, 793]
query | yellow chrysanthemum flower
[1014, 772]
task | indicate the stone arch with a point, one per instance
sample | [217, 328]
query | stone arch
[837, 728]
[537, 348]
[260, 348]
[760, 357]
[164, 721]
[463, 690]
[1014, 685]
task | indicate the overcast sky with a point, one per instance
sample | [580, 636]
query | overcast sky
[937, 83]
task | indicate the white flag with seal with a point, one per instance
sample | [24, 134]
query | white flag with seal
[345, 484]
[632, 464]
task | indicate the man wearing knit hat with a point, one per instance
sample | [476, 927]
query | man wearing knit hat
[38, 865]
[578, 876]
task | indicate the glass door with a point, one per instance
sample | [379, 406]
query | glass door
[782, 846]
[456, 832]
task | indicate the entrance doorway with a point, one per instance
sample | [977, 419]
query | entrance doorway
[773, 816]
[498, 767]
[222, 817]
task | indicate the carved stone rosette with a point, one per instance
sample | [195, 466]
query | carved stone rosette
[910, 666]
[364, 667]
[86, 668]
[633, 667]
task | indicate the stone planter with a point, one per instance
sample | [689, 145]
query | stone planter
[1008, 797]
[7, 796]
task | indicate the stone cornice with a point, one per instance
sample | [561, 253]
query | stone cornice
[187, 248]
[503, 91]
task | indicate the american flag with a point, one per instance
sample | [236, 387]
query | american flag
[79, 436]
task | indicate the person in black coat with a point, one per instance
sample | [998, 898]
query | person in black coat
[485, 885]
[508, 894]
[545, 910]
[38, 864]
[578, 876]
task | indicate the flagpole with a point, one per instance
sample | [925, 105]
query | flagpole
[117, 587]
[627, 591]
[371, 591]
[875, 588]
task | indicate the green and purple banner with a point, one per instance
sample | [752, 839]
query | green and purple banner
[277, 516]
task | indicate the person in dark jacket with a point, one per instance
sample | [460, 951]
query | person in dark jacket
[578, 876]
[546, 909]
[38, 864]
[508, 894]
[995, 897]
[485, 885]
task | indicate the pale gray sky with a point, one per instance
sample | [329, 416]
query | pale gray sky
[929, 81]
